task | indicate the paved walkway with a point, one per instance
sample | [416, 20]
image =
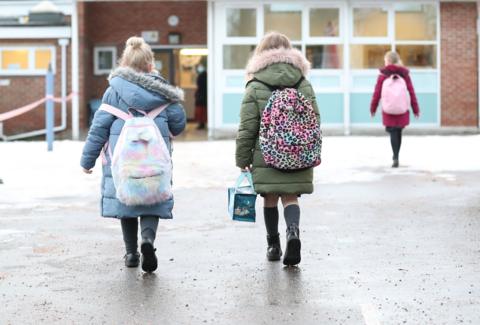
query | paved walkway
[404, 250]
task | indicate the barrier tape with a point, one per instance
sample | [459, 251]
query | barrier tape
[27, 108]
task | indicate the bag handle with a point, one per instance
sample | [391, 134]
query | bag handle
[242, 176]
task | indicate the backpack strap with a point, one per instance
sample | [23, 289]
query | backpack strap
[272, 88]
[155, 112]
[115, 112]
[299, 82]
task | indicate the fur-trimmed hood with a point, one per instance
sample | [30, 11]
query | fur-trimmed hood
[149, 81]
[281, 55]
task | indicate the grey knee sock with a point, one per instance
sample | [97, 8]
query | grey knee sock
[130, 230]
[271, 220]
[292, 215]
[149, 226]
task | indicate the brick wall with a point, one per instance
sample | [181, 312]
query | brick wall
[26, 89]
[112, 23]
[459, 64]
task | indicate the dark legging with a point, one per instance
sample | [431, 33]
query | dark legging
[148, 225]
[395, 140]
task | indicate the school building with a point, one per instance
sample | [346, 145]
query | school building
[344, 40]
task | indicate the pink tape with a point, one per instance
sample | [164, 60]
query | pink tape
[27, 108]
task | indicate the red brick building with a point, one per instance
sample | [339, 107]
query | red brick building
[345, 42]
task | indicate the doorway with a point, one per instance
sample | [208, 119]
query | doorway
[181, 67]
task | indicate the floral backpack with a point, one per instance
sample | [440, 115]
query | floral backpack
[290, 135]
[141, 164]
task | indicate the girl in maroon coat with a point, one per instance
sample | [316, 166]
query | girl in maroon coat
[394, 124]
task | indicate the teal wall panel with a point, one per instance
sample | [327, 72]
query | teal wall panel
[360, 109]
[428, 108]
[231, 107]
[325, 81]
[426, 82]
[331, 107]
[235, 81]
[361, 82]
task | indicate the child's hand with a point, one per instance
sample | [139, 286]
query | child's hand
[87, 171]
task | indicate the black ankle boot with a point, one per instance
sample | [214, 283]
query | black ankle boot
[274, 251]
[292, 250]
[132, 259]
[395, 163]
[149, 259]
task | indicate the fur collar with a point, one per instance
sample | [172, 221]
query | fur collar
[280, 55]
[151, 82]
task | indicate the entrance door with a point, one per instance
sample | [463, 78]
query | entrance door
[165, 63]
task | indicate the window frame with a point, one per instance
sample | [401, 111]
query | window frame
[391, 33]
[31, 71]
[339, 40]
[96, 50]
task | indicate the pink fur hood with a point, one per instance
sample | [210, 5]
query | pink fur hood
[280, 55]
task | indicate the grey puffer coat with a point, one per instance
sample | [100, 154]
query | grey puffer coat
[129, 88]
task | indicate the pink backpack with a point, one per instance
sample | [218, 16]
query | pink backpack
[395, 98]
[141, 164]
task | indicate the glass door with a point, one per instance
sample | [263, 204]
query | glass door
[165, 63]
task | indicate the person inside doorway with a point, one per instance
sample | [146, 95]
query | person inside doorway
[201, 96]
[395, 89]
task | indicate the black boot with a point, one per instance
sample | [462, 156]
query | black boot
[149, 259]
[132, 259]
[292, 250]
[395, 163]
[274, 251]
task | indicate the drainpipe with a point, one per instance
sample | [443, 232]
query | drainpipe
[75, 74]
[478, 63]
[63, 43]
[211, 72]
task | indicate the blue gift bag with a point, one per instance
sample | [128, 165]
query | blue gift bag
[241, 199]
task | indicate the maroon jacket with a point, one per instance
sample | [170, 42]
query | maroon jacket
[391, 120]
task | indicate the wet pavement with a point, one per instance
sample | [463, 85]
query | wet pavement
[404, 249]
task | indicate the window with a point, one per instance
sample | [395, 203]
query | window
[328, 56]
[236, 56]
[324, 48]
[370, 22]
[413, 34]
[324, 22]
[241, 22]
[42, 59]
[104, 59]
[367, 56]
[418, 56]
[21, 60]
[415, 22]
[284, 18]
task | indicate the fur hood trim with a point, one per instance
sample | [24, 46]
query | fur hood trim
[150, 82]
[280, 55]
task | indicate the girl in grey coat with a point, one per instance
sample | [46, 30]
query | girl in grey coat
[134, 85]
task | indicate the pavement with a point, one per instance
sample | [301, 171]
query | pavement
[400, 248]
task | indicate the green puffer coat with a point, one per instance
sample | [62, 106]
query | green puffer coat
[279, 67]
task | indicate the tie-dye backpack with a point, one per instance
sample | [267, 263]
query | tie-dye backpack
[141, 163]
[290, 135]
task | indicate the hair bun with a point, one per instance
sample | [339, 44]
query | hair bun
[135, 42]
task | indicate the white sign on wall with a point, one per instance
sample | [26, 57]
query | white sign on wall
[150, 36]
[4, 82]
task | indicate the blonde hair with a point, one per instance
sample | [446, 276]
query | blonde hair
[273, 40]
[393, 58]
[137, 55]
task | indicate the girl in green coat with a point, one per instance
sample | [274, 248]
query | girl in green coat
[274, 64]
